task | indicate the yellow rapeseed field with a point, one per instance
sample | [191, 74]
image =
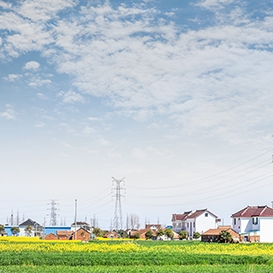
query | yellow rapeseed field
[36, 245]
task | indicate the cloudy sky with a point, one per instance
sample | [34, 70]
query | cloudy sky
[175, 96]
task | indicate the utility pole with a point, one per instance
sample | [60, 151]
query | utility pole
[18, 218]
[118, 212]
[11, 218]
[75, 219]
[44, 227]
[53, 214]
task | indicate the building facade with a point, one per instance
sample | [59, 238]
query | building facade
[254, 223]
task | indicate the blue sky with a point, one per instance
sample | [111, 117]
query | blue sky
[175, 96]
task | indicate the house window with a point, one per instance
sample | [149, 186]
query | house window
[255, 221]
[206, 214]
[187, 224]
[194, 224]
[234, 221]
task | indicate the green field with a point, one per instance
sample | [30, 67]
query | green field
[143, 260]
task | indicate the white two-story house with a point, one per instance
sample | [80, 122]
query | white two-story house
[254, 223]
[197, 221]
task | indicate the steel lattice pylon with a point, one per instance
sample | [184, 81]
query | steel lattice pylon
[118, 212]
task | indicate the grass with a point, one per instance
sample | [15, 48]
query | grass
[136, 269]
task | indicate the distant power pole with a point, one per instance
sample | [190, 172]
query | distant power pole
[11, 218]
[18, 218]
[53, 213]
[118, 212]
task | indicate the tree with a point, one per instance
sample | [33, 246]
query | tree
[196, 235]
[149, 234]
[133, 221]
[2, 229]
[183, 235]
[98, 232]
[136, 235]
[28, 230]
[159, 233]
[83, 234]
[123, 234]
[225, 236]
[169, 233]
[15, 231]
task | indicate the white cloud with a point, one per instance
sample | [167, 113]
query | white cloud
[41, 96]
[208, 4]
[145, 68]
[139, 154]
[113, 153]
[89, 130]
[66, 145]
[186, 74]
[39, 124]
[12, 77]
[8, 113]
[94, 119]
[33, 65]
[70, 97]
[104, 141]
[39, 82]
[43, 10]
[5, 5]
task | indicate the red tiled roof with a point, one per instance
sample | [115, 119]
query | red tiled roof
[217, 231]
[64, 232]
[252, 211]
[199, 212]
[180, 217]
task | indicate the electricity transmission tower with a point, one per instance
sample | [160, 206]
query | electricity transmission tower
[53, 214]
[118, 213]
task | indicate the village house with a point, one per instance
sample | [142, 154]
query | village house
[112, 235]
[197, 221]
[154, 229]
[213, 235]
[254, 223]
[81, 234]
[36, 228]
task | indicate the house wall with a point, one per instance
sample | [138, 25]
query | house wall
[84, 237]
[190, 226]
[266, 230]
[245, 225]
[238, 226]
[204, 223]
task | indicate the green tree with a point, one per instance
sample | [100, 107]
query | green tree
[15, 231]
[159, 233]
[98, 232]
[28, 230]
[136, 235]
[225, 236]
[149, 234]
[183, 235]
[169, 233]
[2, 229]
[196, 235]
[123, 234]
